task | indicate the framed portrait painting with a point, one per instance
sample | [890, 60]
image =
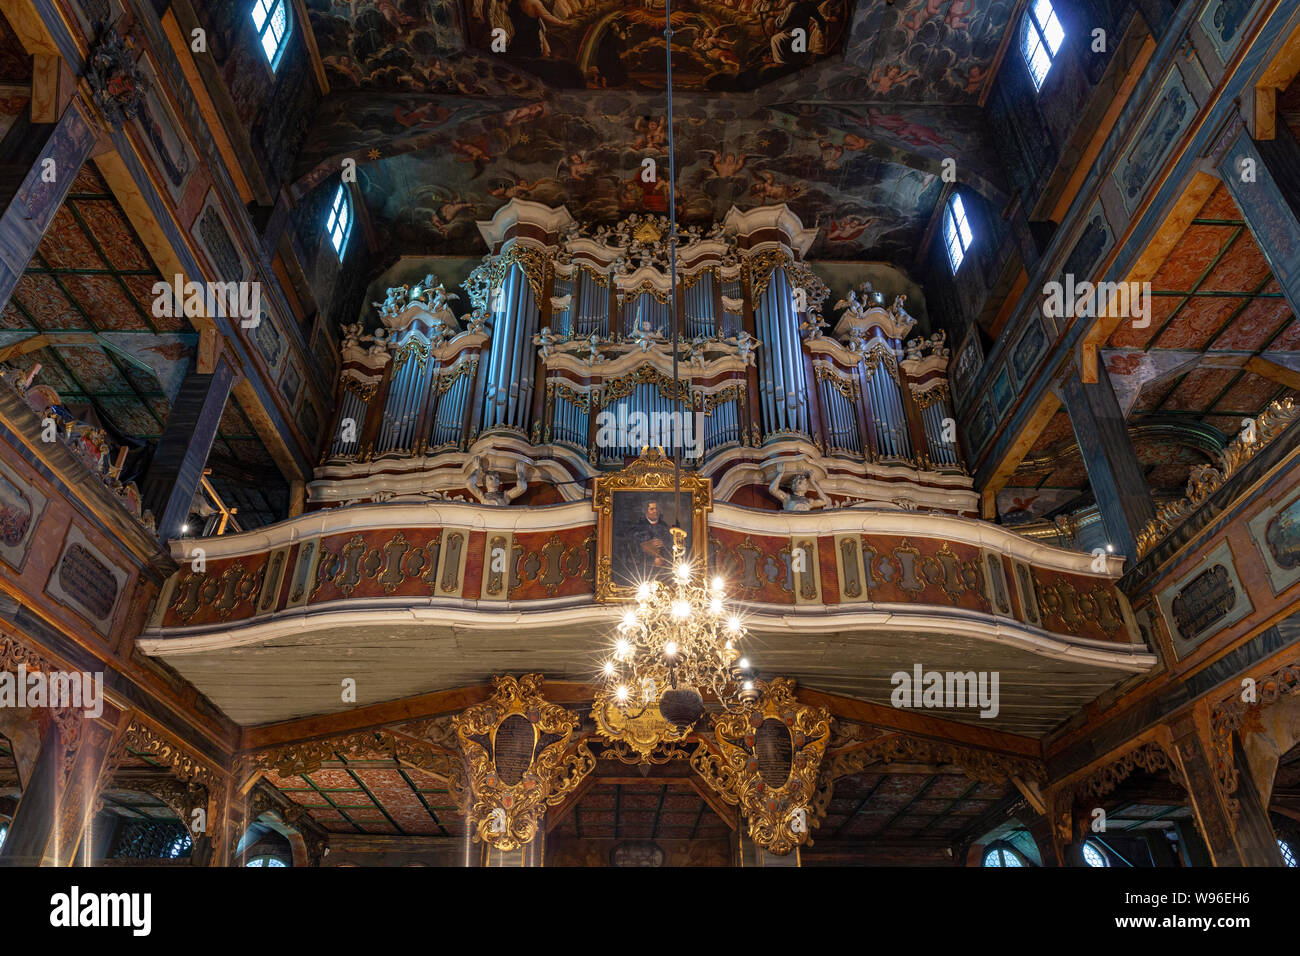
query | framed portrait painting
[636, 510]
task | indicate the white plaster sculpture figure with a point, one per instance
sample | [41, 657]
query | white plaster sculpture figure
[492, 493]
[798, 498]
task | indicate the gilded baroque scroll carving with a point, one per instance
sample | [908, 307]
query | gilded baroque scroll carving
[780, 816]
[513, 779]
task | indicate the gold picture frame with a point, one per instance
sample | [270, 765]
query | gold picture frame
[632, 541]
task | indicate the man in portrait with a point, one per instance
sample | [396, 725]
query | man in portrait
[643, 541]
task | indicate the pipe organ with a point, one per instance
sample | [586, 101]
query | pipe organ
[560, 358]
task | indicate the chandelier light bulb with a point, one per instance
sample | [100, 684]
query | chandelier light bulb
[749, 685]
[609, 668]
[744, 663]
[716, 605]
[683, 572]
[734, 624]
[643, 592]
[717, 584]
[681, 610]
[630, 620]
[671, 648]
[622, 693]
[622, 648]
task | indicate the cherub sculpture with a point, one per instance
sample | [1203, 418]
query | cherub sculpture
[593, 350]
[645, 336]
[492, 493]
[394, 303]
[477, 322]
[746, 345]
[797, 498]
[545, 341]
[812, 326]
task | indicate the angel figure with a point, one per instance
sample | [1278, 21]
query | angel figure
[593, 348]
[393, 303]
[813, 325]
[654, 133]
[712, 43]
[797, 498]
[545, 341]
[698, 345]
[492, 494]
[645, 336]
[746, 345]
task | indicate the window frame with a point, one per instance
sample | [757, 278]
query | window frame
[263, 861]
[952, 229]
[1097, 848]
[1034, 38]
[267, 8]
[1005, 849]
[330, 220]
[1284, 847]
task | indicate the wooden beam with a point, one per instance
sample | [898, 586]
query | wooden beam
[730, 815]
[1015, 453]
[926, 725]
[1273, 372]
[1276, 76]
[30, 29]
[181, 47]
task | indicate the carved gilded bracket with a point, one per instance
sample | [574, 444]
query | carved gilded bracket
[521, 757]
[767, 761]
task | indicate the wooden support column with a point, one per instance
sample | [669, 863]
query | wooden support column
[55, 807]
[1264, 180]
[37, 169]
[1121, 490]
[750, 854]
[173, 477]
[1250, 840]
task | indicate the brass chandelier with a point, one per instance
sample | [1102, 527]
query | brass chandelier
[680, 639]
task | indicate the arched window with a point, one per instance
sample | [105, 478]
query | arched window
[178, 847]
[1093, 855]
[266, 860]
[1040, 37]
[339, 224]
[1001, 855]
[957, 235]
[1288, 857]
[271, 18]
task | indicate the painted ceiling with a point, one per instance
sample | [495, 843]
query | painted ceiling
[1222, 344]
[88, 289]
[851, 135]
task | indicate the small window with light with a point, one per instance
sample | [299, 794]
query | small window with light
[1094, 855]
[271, 20]
[957, 235]
[339, 223]
[1001, 855]
[1041, 36]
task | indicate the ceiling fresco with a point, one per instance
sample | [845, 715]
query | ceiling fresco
[1221, 345]
[555, 153]
[88, 289]
[851, 134]
[608, 44]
